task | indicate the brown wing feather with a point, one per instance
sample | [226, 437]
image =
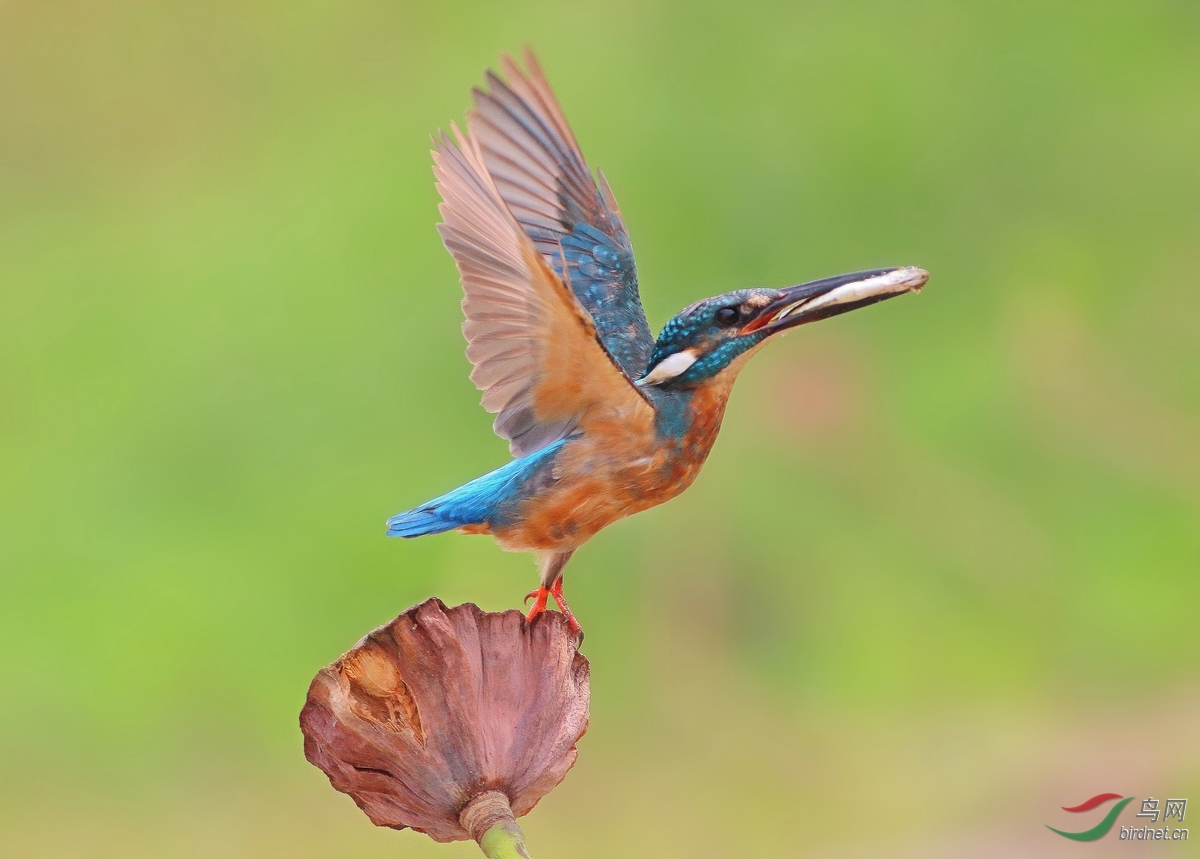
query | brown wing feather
[537, 166]
[537, 358]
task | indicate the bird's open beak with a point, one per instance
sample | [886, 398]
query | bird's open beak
[830, 296]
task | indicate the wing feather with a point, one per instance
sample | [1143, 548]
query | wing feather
[573, 221]
[537, 357]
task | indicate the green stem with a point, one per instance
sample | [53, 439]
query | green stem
[505, 840]
[489, 819]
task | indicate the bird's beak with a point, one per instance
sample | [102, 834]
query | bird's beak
[830, 296]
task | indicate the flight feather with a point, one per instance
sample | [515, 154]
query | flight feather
[540, 172]
[536, 353]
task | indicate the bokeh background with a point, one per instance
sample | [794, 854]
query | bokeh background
[940, 576]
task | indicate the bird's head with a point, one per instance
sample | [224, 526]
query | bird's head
[703, 340]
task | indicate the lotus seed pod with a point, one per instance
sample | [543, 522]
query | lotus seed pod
[446, 719]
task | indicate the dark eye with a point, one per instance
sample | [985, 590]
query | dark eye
[727, 316]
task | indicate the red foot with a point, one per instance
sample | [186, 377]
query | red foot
[556, 591]
[539, 602]
[539, 598]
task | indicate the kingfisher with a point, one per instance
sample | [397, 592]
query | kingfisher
[603, 420]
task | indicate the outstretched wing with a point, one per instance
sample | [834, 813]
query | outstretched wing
[540, 172]
[537, 357]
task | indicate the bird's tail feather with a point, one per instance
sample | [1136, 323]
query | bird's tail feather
[472, 503]
[416, 523]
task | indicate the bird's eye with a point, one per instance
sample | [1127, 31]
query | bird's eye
[727, 316]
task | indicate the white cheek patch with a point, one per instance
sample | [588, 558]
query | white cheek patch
[668, 368]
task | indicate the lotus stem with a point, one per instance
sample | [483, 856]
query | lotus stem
[489, 819]
[504, 841]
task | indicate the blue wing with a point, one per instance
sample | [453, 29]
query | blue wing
[540, 172]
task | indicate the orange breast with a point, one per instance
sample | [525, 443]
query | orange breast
[617, 469]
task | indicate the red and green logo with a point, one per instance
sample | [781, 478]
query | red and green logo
[1100, 829]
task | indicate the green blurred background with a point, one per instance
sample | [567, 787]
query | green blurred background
[939, 577]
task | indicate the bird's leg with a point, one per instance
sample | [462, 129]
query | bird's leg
[556, 591]
[552, 564]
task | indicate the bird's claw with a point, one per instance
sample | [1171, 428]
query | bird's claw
[539, 603]
[540, 598]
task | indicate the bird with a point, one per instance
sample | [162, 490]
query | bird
[603, 419]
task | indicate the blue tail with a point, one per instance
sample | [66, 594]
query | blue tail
[474, 503]
[423, 520]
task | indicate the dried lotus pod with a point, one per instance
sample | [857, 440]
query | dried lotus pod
[451, 721]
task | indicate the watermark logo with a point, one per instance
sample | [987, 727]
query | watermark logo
[1172, 809]
[1100, 829]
